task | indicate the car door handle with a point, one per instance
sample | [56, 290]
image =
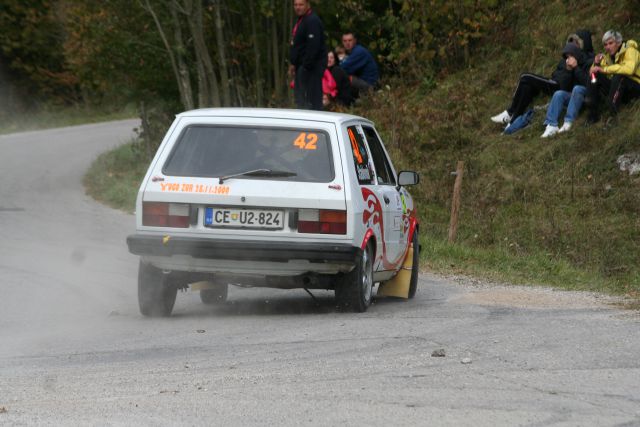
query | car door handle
[386, 200]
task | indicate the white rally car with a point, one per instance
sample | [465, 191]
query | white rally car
[276, 198]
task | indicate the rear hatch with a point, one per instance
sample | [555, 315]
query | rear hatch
[255, 179]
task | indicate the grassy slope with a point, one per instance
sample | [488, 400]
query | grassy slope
[556, 212]
[115, 176]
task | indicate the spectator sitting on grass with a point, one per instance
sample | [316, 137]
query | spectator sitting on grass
[360, 65]
[617, 75]
[577, 63]
[530, 85]
[344, 95]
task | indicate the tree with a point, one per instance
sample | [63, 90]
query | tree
[31, 48]
[113, 49]
[199, 53]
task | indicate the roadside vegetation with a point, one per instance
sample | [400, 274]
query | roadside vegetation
[114, 177]
[61, 116]
[555, 212]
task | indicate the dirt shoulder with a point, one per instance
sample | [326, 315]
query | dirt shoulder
[488, 293]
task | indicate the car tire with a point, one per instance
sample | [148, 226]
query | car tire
[355, 289]
[413, 284]
[156, 296]
[218, 295]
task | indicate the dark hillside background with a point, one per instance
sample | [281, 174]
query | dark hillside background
[555, 211]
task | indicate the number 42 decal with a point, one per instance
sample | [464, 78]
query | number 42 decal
[306, 141]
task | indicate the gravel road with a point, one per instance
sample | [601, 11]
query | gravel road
[74, 349]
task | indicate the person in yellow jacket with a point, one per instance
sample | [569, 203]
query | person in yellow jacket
[614, 74]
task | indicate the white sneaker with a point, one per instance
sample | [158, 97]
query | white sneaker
[502, 118]
[566, 127]
[550, 131]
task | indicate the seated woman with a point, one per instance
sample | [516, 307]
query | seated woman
[344, 96]
[329, 90]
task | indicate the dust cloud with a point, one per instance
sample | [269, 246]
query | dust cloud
[64, 265]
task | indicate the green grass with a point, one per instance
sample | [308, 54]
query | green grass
[58, 117]
[115, 176]
[502, 265]
[553, 212]
[556, 212]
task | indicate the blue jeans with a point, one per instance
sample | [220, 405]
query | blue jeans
[560, 99]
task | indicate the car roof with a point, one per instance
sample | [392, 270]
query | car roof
[274, 113]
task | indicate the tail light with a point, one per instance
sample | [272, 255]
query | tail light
[157, 214]
[320, 221]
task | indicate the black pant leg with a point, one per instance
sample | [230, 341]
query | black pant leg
[632, 90]
[315, 88]
[615, 93]
[595, 92]
[300, 88]
[308, 88]
[529, 86]
[622, 90]
[522, 98]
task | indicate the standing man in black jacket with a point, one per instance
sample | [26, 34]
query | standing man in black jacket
[308, 56]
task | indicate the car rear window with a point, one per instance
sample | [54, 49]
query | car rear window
[215, 151]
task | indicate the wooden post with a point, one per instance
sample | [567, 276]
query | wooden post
[455, 203]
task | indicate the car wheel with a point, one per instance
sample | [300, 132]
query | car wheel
[156, 296]
[218, 295]
[355, 290]
[413, 284]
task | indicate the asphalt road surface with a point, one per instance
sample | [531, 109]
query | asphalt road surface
[74, 349]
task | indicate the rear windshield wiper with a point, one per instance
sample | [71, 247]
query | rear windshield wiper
[258, 172]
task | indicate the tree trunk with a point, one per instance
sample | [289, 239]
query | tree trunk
[212, 78]
[204, 99]
[277, 73]
[203, 85]
[224, 72]
[270, 78]
[203, 58]
[256, 55]
[237, 82]
[286, 41]
[186, 96]
[183, 70]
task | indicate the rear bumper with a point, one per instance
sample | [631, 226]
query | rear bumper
[243, 250]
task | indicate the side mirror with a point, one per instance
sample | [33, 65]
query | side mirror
[408, 178]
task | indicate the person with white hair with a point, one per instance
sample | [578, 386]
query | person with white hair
[615, 74]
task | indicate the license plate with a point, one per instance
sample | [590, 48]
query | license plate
[243, 218]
